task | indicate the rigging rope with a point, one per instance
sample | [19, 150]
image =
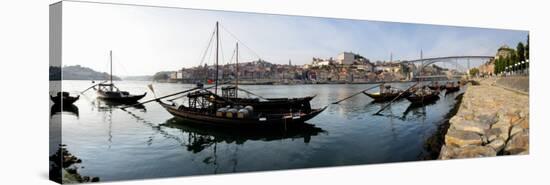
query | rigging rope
[241, 42]
[207, 47]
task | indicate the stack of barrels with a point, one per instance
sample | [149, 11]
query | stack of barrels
[235, 111]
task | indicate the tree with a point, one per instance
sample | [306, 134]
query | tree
[514, 58]
[527, 49]
[497, 66]
[161, 76]
[520, 49]
[474, 72]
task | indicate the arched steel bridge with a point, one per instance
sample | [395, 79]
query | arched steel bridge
[429, 61]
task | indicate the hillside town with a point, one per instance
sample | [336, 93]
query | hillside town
[507, 61]
[346, 67]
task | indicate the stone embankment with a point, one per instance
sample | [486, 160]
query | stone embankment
[514, 83]
[490, 121]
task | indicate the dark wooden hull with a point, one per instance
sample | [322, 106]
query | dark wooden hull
[119, 99]
[452, 89]
[423, 99]
[65, 100]
[436, 87]
[386, 96]
[202, 117]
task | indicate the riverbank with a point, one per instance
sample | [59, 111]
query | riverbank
[490, 121]
[63, 168]
[433, 144]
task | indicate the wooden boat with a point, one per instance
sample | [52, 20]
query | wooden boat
[262, 104]
[64, 98]
[452, 88]
[109, 92]
[207, 116]
[208, 108]
[230, 97]
[436, 87]
[424, 98]
[383, 97]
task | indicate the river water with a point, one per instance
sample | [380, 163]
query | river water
[147, 142]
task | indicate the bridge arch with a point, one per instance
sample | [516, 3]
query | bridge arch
[429, 61]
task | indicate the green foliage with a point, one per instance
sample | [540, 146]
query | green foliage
[161, 76]
[527, 49]
[517, 56]
[474, 72]
[520, 52]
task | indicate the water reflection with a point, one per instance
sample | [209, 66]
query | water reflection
[108, 106]
[59, 109]
[208, 140]
[413, 112]
[200, 137]
[162, 146]
[417, 110]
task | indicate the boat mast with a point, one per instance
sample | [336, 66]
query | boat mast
[237, 83]
[217, 45]
[111, 64]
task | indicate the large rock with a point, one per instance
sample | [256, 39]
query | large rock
[446, 152]
[494, 133]
[518, 143]
[459, 123]
[487, 117]
[515, 129]
[512, 118]
[462, 138]
[497, 144]
[504, 129]
[524, 123]
[466, 114]
[451, 152]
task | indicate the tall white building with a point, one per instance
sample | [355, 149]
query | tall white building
[346, 58]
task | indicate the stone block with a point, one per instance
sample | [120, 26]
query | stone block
[518, 144]
[467, 152]
[462, 138]
[494, 133]
[497, 144]
[472, 126]
[515, 129]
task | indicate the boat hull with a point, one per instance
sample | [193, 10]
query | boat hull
[205, 118]
[452, 89]
[65, 100]
[119, 99]
[423, 99]
[386, 96]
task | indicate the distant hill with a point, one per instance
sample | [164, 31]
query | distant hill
[78, 72]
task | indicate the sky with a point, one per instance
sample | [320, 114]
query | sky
[146, 40]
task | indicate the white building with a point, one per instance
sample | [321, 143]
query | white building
[345, 58]
[365, 67]
[388, 68]
[176, 75]
[318, 62]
